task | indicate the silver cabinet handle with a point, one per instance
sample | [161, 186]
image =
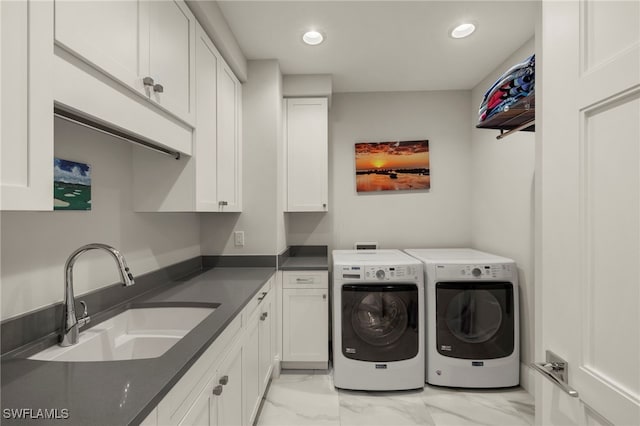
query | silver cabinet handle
[158, 88]
[264, 316]
[148, 81]
[304, 280]
[223, 203]
[262, 296]
[556, 370]
[217, 390]
[224, 380]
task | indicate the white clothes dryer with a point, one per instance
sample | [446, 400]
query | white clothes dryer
[472, 318]
[378, 327]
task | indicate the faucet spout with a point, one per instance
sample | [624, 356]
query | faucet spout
[70, 322]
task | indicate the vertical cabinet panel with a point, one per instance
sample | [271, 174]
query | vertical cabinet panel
[230, 400]
[27, 105]
[266, 346]
[307, 154]
[205, 138]
[304, 310]
[171, 52]
[251, 371]
[229, 146]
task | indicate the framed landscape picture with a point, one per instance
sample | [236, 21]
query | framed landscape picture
[392, 166]
[71, 185]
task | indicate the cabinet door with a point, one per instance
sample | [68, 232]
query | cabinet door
[266, 345]
[171, 57]
[229, 163]
[307, 154]
[27, 105]
[305, 325]
[230, 377]
[109, 35]
[205, 133]
[251, 370]
[203, 410]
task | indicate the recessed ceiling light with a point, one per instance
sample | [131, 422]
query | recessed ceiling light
[463, 30]
[312, 38]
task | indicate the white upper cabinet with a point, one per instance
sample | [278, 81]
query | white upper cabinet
[107, 35]
[27, 105]
[171, 57]
[210, 180]
[306, 142]
[147, 46]
[229, 149]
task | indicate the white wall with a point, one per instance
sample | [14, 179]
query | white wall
[502, 187]
[35, 245]
[437, 218]
[262, 134]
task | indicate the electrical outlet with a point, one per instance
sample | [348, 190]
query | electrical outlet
[239, 238]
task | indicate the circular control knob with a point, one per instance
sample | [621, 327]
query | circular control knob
[476, 272]
[380, 274]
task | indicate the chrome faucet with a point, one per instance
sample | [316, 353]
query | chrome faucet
[70, 323]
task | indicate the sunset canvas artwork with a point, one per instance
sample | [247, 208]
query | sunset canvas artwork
[392, 166]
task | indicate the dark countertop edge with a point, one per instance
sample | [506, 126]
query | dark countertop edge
[144, 410]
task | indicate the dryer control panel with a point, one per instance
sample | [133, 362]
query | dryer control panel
[380, 272]
[494, 271]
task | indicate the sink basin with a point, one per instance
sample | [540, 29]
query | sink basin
[137, 333]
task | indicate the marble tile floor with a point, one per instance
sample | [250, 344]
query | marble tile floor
[308, 398]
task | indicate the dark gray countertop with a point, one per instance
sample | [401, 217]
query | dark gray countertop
[125, 392]
[305, 263]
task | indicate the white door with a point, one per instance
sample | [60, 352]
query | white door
[588, 169]
[307, 133]
[108, 34]
[229, 151]
[305, 325]
[171, 57]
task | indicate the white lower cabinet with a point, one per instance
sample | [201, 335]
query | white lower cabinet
[220, 402]
[225, 385]
[305, 319]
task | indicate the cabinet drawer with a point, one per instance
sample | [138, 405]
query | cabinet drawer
[304, 279]
[256, 301]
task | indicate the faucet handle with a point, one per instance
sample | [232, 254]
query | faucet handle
[85, 319]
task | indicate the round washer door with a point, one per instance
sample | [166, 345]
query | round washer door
[380, 322]
[380, 318]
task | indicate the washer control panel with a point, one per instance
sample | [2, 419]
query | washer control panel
[493, 271]
[380, 272]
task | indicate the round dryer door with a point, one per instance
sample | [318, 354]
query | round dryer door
[380, 318]
[475, 320]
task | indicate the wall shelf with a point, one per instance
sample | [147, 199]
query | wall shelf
[520, 117]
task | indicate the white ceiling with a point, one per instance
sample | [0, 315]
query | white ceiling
[383, 45]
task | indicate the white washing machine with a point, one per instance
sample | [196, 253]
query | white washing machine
[378, 327]
[472, 318]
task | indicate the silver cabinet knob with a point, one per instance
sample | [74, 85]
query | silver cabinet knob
[324, 296]
[158, 88]
[264, 316]
[217, 390]
[148, 81]
[224, 380]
